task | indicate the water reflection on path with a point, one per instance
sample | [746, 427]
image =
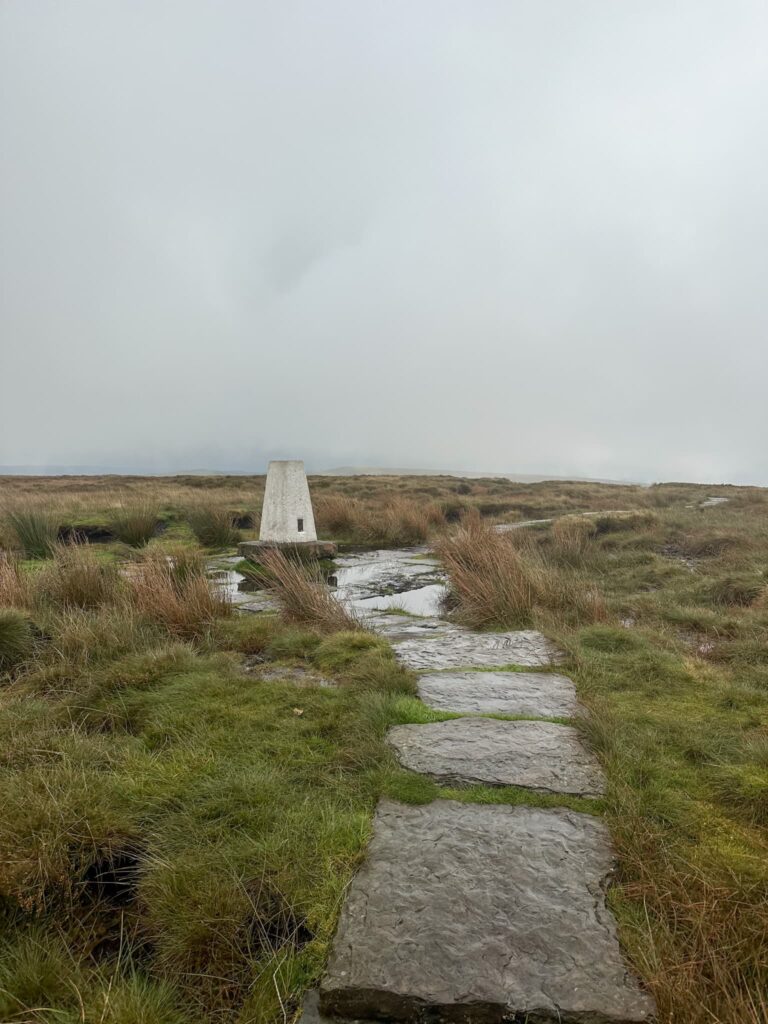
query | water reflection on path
[405, 579]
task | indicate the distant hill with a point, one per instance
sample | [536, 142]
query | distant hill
[260, 469]
[520, 478]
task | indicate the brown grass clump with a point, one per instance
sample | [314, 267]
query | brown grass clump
[176, 592]
[633, 519]
[402, 521]
[15, 587]
[502, 582]
[395, 522]
[701, 934]
[572, 535]
[213, 526]
[34, 530]
[77, 578]
[303, 596]
[135, 524]
[337, 514]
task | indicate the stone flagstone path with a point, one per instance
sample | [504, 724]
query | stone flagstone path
[477, 913]
[537, 694]
[464, 912]
[537, 755]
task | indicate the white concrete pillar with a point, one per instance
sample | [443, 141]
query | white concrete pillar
[287, 516]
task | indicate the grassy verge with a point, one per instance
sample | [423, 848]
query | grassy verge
[675, 673]
[176, 833]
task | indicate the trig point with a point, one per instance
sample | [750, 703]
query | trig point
[287, 516]
[287, 519]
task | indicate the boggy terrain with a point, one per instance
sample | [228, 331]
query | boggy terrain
[187, 789]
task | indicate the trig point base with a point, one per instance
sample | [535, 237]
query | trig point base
[287, 519]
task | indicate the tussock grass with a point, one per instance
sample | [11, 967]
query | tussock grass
[396, 522]
[134, 525]
[500, 580]
[303, 596]
[16, 640]
[34, 529]
[743, 590]
[615, 522]
[337, 515]
[402, 522]
[572, 536]
[77, 578]
[213, 526]
[15, 584]
[176, 593]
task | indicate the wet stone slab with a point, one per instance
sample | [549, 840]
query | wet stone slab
[460, 648]
[543, 756]
[465, 912]
[258, 603]
[376, 573]
[542, 694]
[403, 627]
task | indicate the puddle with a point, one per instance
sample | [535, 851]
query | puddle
[229, 584]
[373, 573]
[398, 580]
[426, 601]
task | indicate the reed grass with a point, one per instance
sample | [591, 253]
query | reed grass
[15, 584]
[502, 581]
[303, 596]
[34, 529]
[16, 640]
[337, 515]
[77, 578]
[213, 526]
[134, 525]
[176, 593]
[572, 536]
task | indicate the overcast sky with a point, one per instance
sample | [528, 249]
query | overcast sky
[511, 236]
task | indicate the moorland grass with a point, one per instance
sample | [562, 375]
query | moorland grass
[34, 529]
[500, 580]
[15, 586]
[213, 526]
[76, 577]
[174, 590]
[176, 834]
[675, 678]
[16, 638]
[134, 525]
[397, 521]
[303, 597]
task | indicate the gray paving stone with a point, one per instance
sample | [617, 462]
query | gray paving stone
[537, 755]
[482, 914]
[460, 648]
[505, 693]
[403, 627]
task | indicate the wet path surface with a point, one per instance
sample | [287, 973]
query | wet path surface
[469, 912]
[405, 580]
